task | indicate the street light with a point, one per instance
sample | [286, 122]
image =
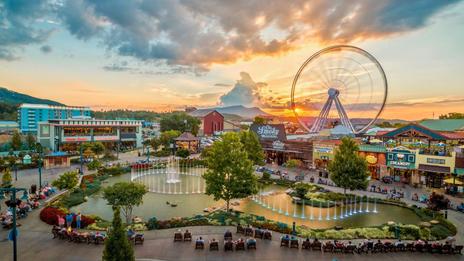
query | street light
[13, 204]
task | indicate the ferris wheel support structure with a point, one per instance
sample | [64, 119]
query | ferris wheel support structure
[323, 115]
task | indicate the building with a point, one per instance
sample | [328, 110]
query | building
[67, 134]
[421, 156]
[188, 142]
[7, 127]
[212, 122]
[57, 159]
[29, 115]
[376, 159]
[278, 149]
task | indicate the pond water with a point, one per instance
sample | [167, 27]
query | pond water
[277, 205]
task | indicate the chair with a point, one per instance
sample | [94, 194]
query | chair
[240, 229]
[389, 247]
[139, 239]
[214, 246]
[419, 248]
[55, 231]
[240, 246]
[446, 249]
[259, 233]
[268, 235]
[328, 247]
[251, 245]
[316, 246]
[82, 238]
[306, 245]
[99, 240]
[187, 236]
[427, 248]
[228, 246]
[200, 245]
[400, 248]
[249, 231]
[294, 244]
[410, 247]
[436, 249]
[177, 237]
[457, 249]
[350, 249]
[378, 248]
[227, 236]
[339, 248]
[284, 242]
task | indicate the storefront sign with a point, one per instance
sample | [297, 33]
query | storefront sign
[371, 159]
[76, 139]
[269, 131]
[105, 138]
[435, 161]
[278, 145]
[323, 149]
[400, 164]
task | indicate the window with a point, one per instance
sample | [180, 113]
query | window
[390, 156]
[410, 158]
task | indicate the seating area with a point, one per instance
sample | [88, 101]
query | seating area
[97, 238]
[369, 246]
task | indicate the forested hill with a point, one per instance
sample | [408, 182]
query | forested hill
[16, 98]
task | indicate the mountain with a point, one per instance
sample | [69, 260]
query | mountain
[16, 98]
[239, 110]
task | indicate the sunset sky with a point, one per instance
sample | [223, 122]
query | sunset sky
[165, 55]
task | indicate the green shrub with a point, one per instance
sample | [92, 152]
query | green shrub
[6, 179]
[67, 180]
[183, 153]
[76, 197]
[152, 223]
[439, 231]
[266, 176]
[94, 164]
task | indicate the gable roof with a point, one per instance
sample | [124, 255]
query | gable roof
[203, 112]
[187, 136]
[417, 128]
[443, 125]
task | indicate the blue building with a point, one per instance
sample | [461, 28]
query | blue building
[29, 115]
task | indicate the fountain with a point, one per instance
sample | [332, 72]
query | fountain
[280, 205]
[311, 215]
[341, 209]
[335, 212]
[303, 211]
[367, 205]
[286, 211]
[355, 210]
[320, 210]
[328, 212]
[294, 210]
[360, 205]
[375, 205]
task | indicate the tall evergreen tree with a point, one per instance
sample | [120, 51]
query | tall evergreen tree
[117, 246]
[230, 173]
[16, 142]
[349, 170]
[251, 144]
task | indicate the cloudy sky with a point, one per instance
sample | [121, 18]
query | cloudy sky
[164, 55]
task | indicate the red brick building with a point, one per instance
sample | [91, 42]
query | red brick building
[211, 121]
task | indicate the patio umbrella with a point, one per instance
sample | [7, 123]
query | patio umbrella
[390, 141]
[453, 181]
[441, 144]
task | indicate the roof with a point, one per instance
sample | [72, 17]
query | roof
[56, 154]
[46, 106]
[203, 112]
[372, 148]
[187, 136]
[416, 128]
[453, 135]
[9, 123]
[444, 125]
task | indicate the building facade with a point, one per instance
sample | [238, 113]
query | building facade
[66, 135]
[212, 122]
[29, 115]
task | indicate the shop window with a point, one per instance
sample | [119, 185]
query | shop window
[390, 156]
[411, 158]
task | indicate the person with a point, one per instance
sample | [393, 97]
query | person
[130, 233]
[200, 240]
[69, 219]
[399, 243]
[286, 237]
[60, 221]
[250, 241]
[78, 220]
[419, 242]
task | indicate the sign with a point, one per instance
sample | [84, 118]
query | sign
[323, 149]
[371, 159]
[76, 139]
[27, 159]
[278, 145]
[400, 164]
[10, 234]
[435, 161]
[269, 131]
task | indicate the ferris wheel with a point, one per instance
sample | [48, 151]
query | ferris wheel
[346, 76]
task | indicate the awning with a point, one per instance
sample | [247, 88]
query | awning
[280, 150]
[459, 171]
[433, 168]
[454, 181]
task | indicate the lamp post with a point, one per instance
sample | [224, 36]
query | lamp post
[39, 150]
[81, 160]
[13, 204]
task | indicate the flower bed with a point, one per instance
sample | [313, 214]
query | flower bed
[50, 215]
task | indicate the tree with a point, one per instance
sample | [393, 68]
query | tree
[452, 115]
[348, 169]
[16, 141]
[67, 180]
[97, 148]
[125, 195]
[183, 153]
[301, 189]
[6, 178]
[438, 202]
[30, 141]
[167, 137]
[251, 144]
[155, 143]
[180, 121]
[259, 120]
[117, 246]
[292, 163]
[230, 173]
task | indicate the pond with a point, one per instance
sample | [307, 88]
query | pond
[278, 205]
